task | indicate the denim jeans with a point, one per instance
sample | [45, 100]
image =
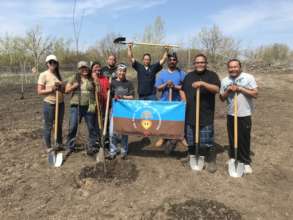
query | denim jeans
[76, 115]
[49, 118]
[115, 139]
[151, 97]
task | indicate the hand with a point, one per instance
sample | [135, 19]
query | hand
[130, 45]
[75, 85]
[232, 88]
[198, 84]
[58, 86]
[170, 84]
[117, 97]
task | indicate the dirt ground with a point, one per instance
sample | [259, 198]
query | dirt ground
[157, 186]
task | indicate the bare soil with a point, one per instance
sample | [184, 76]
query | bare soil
[150, 184]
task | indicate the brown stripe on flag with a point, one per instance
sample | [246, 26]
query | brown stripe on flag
[167, 129]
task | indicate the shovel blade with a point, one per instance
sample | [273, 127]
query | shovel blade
[119, 40]
[197, 163]
[100, 158]
[58, 160]
[235, 168]
[51, 158]
[55, 159]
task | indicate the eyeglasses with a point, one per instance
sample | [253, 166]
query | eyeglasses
[172, 59]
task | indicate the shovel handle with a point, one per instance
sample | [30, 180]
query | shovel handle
[235, 120]
[107, 109]
[56, 116]
[170, 94]
[197, 101]
[151, 44]
[98, 111]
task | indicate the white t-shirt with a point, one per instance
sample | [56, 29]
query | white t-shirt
[245, 103]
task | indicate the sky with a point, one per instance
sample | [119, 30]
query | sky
[252, 22]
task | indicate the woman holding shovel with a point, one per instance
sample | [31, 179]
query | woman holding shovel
[242, 88]
[82, 105]
[51, 87]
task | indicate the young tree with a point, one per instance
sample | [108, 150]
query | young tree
[37, 45]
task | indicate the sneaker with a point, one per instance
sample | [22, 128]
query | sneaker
[159, 143]
[247, 169]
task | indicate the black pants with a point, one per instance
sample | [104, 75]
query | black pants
[244, 130]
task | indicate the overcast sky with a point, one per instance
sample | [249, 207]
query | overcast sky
[253, 22]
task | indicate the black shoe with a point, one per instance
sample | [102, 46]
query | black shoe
[211, 160]
[110, 157]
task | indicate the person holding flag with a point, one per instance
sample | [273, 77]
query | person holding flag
[169, 83]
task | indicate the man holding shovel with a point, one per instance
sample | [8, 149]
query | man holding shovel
[146, 73]
[242, 85]
[207, 84]
[169, 83]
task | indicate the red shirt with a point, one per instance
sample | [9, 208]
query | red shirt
[103, 82]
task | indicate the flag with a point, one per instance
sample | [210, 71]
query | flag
[149, 118]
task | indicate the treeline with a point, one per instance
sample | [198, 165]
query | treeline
[21, 54]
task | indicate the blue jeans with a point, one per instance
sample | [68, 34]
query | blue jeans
[115, 139]
[206, 137]
[76, 115]
[49, 118]
[151, 97]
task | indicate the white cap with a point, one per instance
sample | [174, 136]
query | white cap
[51, 57]
[82, 64]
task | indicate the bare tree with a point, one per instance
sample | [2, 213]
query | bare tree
[216, 45]
[107, 47]
[37, 45]
[76, 26]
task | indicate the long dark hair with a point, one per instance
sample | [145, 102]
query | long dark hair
[57, 72]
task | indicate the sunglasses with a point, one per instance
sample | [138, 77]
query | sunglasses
[172, 59]
[52, 62]
[200, 62]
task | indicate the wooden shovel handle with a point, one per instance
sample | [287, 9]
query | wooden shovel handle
[197, 109]
[107, 109]
[170, 94]
[56, 116]
[98, 111]
[235, 121]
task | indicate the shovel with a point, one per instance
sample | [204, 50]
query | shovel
[122, 40]
[55, 158]
[197, 163]
[235, 168]
[101, 155]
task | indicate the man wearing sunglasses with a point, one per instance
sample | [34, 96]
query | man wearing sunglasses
[169, 83]
[209, 84]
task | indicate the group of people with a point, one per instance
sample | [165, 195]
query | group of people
[172, 83]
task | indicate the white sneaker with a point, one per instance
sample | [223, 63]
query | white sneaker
[231, 160]
[247, 169]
